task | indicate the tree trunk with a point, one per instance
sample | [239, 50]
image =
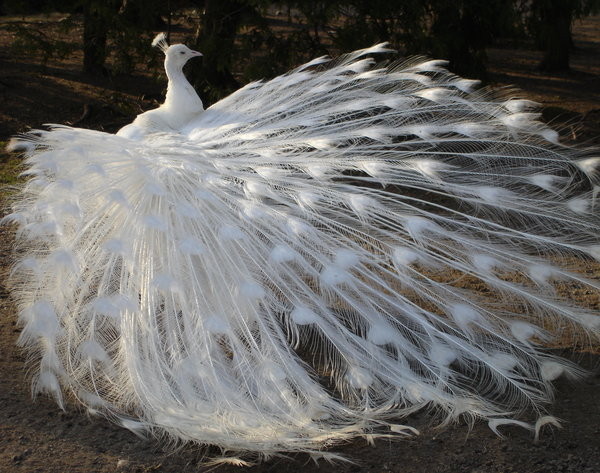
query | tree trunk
[456, 36]
[95, 34]
[215, 38]
[556, 17]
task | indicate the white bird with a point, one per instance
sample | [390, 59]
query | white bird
[181, 103]
[309, 259]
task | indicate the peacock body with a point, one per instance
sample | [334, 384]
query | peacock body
[287, 268]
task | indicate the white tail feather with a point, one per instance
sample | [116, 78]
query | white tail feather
[284, 271]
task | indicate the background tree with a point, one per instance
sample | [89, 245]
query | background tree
[127, 23]
[97, 18]
[219, 24]
[243, 39]
[462, 30]
[550, 21]
[458, 30]
[366, 22]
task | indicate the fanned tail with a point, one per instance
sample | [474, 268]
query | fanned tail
[310, 258]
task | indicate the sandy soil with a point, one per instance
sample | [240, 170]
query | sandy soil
[36, 436]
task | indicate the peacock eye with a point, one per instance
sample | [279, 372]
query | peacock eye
[182, 52]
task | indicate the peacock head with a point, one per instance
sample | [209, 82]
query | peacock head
[176, 55]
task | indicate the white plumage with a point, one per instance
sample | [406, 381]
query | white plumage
[286, 269]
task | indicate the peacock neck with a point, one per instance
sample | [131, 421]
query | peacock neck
[181, 96]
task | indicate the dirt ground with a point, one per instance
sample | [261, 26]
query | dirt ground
[36, 436]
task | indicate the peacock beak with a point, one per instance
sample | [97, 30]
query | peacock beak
[196, 53]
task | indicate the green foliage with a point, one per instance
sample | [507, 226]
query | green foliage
[317, 18]
[11, 165]
[27, 7]
[274, 54]
[366, 22]
[458, 30]
[125, 25]
[244, 40]
[29, 41]
[131, 30]
[219, 25]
